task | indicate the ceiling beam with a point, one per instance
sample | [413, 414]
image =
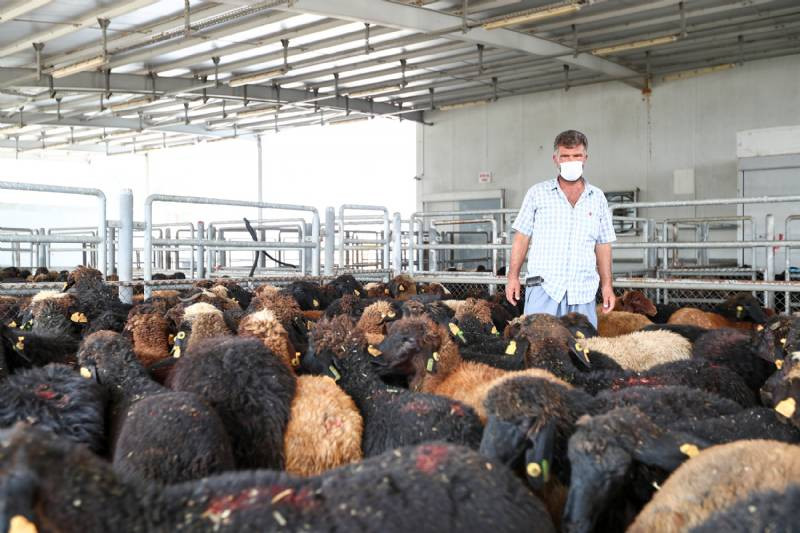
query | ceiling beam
[423, 20]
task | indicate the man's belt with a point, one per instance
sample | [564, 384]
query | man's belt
[533, 281]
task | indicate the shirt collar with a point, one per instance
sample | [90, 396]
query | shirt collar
[587, 189]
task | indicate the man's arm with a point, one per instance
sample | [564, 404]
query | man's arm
[519, 249]
[603, 253]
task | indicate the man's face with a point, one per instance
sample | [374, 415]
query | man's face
[564, 154]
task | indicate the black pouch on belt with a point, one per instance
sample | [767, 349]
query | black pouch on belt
[533, 281]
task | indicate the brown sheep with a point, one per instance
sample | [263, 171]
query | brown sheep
[635, 302]
[324, 429]
[426, 351]
[264, 326]
[150, 335]
[717, 479]
[480, 309]
[377, 290]
[618, 323]
[374, 319]
[402, 287]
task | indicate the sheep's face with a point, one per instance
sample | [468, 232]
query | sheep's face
[783, 390]
[637, 302]
[108, 357]
[742, 307]
[577, 322]
[402, 288]
[84, 278]
[778, 337]
[409, 343]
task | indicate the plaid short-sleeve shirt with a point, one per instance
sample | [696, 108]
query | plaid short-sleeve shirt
[563, 239]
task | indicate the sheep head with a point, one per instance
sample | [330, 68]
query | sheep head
[264, 326]
[636, 302]
[108, 358]
[743, 307]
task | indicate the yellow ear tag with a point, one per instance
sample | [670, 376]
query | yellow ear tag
[787, 407]
[759, 328]
[511, 349]
[315, 302]
[20, 524]
[391, 314]
[79, 318]
[336, 375]
[20, 343]
[494, 331]
[690, 450]
[13, 324]
[355, 291]
[65, 286]
[435, 356]
[580, 335]
[86, 373]
[578, 347]
[779, 364]
[385, 291]
[171, 339]
[533, 469]
[739, 311]
[181, 335]
[401, 288]
[296, 360]
[373, 351]
[430, 366]
[176, 351]
[783, 342]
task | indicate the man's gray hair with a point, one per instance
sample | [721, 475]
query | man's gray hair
[570, 139]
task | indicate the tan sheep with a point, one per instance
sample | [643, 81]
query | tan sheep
[718, 478]
[324, 430]
[618, 323]
[641, 350]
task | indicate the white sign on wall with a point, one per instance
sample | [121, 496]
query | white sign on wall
[485, 177]
[783, 140]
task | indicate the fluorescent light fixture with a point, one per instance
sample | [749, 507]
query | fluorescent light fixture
[375, 91]
[532, 16]
[684, 74]
[256, 112]
[131, 104]
[256, 77]
[88, 64]
[450, 107]
[346, 121]
[624, 47]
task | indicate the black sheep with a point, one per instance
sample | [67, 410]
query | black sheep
[250, 388]
[739, 351]
[395, 416]
[577, 322]
[156, 434]
[309, 296]
[434, 487]
[97, 300]
[663, 312]
[26, 349]
[55, 397]
[691, 333]
[344, 284]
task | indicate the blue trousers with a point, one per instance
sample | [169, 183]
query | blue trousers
[538, 301]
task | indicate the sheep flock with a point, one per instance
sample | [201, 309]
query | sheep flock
[390, 406]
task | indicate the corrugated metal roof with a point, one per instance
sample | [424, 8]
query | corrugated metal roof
[174, 72]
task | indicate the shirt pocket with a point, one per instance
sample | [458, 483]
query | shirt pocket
[591, 224]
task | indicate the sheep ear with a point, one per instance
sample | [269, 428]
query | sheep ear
[580, 353]
[539, 455]
[503, 441]
[669, 450]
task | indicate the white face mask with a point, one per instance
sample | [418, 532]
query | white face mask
[571, 170]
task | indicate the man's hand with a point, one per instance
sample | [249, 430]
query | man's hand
[513, 289]
[608, 299]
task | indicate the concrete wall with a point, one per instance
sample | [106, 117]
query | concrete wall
[635, 141]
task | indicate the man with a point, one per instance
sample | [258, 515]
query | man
[570, 225]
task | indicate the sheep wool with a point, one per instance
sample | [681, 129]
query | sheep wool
[641, 350]
[719, 478]
[618, 323]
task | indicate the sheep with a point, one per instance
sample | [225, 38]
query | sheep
[577, 322]
[249, 387]
[200, 321]
[287, 311]
[768, 510]
[25, 349]
[691, 333]
[392, 416]
[235, 292]
[325, 428]
[618, 323]
[635, 302]
[344, 284]
[441, 488]
[149, 331]
[606, 453]
[425, 351]
[309, 296]
[377, 290]
[402, 287]
[149, 441]
[264, 326]
[717, 479]
[96, 300]
[641, 350]
[55, 397]
[739, 351]
[741, 311]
